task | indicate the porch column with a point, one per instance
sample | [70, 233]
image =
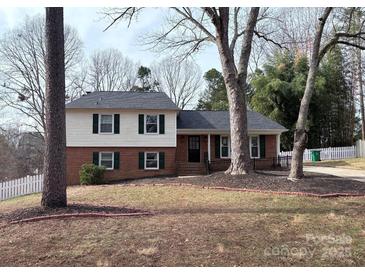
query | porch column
[209, 147]
[278, 144]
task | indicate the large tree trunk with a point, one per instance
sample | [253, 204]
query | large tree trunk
[361, 92]
[235, 81]
[54, 192]
[300, 134]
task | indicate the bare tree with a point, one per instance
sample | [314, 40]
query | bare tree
[341, 34]
[22, 71]
[180, 80]
[8, 159]
[187, 31]
[54, 192]
[110, 71]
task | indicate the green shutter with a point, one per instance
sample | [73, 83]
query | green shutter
[96, 158]
[141, 160]
[116, 160]
[262, 146]
[161, 159]
[162, 123]
[140, 124]
[116, 123]
[95, 123]
[217, 146]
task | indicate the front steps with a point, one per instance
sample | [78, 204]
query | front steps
[190, 169]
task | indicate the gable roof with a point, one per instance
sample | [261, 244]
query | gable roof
[124, 100]
[219, 120]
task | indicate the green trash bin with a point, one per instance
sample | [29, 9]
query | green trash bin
[315, 155]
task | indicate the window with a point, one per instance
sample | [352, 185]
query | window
[151, 160]
[151, 124]
[254, 147]
[225, 147]
[106, 123]
[106, 159]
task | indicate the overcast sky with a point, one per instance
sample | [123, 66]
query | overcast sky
[90, 27]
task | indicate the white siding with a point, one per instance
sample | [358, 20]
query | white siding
[79, 130]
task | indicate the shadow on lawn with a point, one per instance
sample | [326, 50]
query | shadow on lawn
[25, 213]
[275, 210]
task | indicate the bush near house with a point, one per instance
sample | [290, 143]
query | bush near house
[92, 174]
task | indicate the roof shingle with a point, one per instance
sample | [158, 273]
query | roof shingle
[219, 120]
[124, 100]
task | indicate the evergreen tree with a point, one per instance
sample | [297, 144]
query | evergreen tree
[215, 95]
[277, 91]
[334, 103]
[147, 83]
[279, 88]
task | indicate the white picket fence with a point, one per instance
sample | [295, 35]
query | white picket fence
[21, 186]
[329, 153]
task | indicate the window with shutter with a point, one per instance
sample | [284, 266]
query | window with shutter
[254, 147]
[106, 123]
[151, 124]
[151, 160]
[225, 147]
[106, 159]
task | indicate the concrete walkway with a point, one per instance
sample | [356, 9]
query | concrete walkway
[354, 174]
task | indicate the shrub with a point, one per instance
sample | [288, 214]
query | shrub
[91, 174]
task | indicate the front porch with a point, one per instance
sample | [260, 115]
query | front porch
[199, 154]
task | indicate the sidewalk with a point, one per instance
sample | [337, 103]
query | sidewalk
[354, 174]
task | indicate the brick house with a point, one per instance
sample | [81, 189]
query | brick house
[143, 134]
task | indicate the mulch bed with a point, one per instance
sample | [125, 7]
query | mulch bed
[72, 210]
[275, 181]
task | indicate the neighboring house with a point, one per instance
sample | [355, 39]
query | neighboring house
[143, 134]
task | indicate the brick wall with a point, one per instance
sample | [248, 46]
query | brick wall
[182, 148]
[77, 156]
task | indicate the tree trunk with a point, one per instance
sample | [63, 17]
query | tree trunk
[235, 81]
[54, 192]
[240, 156]
[361, 92]
[300, 134]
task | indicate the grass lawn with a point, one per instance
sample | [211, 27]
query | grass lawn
[355, 163]
[191, 227]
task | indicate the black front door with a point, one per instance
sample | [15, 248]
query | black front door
[194, 149]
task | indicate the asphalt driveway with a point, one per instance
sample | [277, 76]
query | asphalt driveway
[353, 174]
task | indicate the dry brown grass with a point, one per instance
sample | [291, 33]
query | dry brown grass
[192, 227]
[355, 163]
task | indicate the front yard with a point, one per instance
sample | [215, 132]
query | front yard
[190, 227]
[354, 163]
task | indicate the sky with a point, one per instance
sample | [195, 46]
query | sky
[90, 25]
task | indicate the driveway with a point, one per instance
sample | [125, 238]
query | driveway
[354, 174]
